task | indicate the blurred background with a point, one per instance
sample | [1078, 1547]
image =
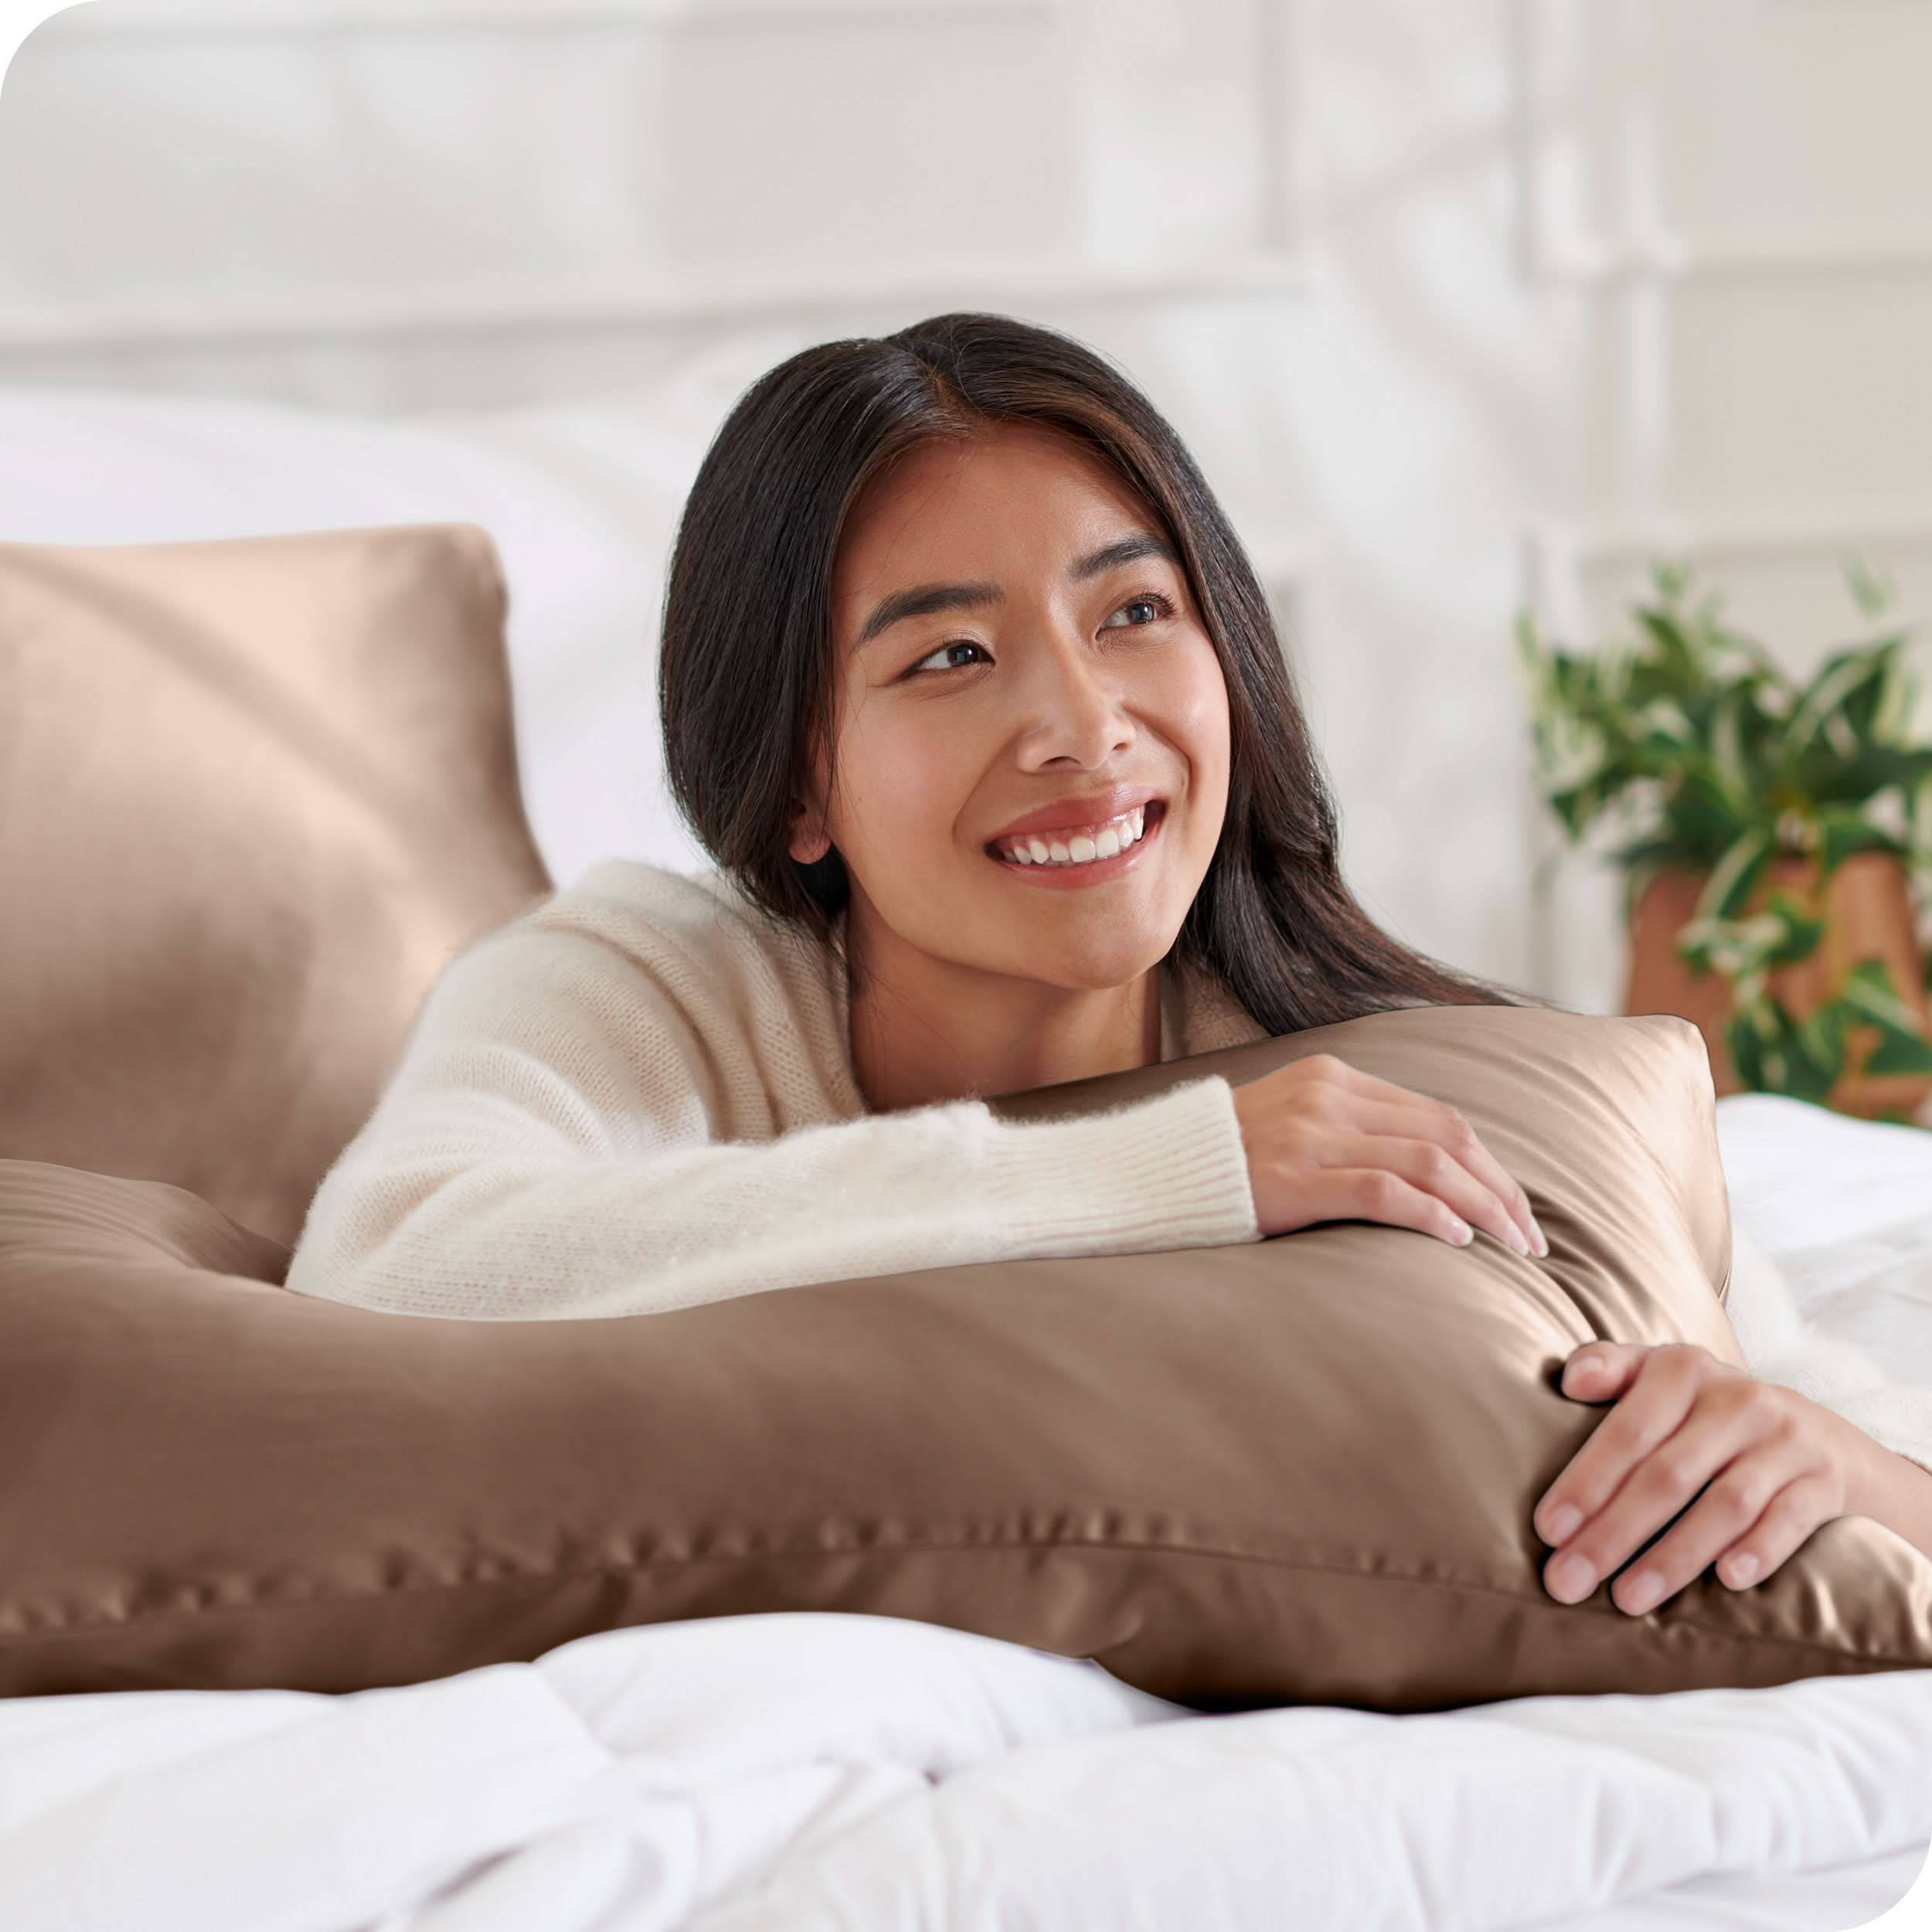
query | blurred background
[1466, 307]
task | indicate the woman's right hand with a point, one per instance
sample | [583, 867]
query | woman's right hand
[1327, 1142]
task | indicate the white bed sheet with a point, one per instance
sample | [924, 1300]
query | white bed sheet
[791, 1773]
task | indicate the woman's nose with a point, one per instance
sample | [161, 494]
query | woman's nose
[1083, 720]
[1067, 678]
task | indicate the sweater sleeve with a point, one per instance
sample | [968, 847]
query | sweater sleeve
[544, 1150]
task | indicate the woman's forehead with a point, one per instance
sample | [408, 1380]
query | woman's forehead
[952, 508]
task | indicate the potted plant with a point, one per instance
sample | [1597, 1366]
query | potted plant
[1775, 839]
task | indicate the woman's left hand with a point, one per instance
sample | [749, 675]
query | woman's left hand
[1777, 1465]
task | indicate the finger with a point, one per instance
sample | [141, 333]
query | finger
[1684, 1484]
[1429, 1166]
[1595, 1371]
[1599, 1371]
[1758, 1491]
[1375, 1194]
[1388, 1108]
[1658, 1398]
[1417, 1116]
[1779, 1532]
[1705, 1488]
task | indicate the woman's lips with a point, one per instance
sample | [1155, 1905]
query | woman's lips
[1096, 871]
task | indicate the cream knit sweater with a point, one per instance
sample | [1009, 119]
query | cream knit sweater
[636, 1096]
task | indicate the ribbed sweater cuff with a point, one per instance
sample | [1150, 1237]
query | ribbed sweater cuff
[1171, 1172]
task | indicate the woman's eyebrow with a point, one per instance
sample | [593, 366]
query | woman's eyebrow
[922, 599]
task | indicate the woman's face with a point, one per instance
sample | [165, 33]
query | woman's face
[1034, 671]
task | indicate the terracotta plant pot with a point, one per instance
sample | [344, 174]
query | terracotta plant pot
[1868, 915]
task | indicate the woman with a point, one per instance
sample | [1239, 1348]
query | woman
[968, 686]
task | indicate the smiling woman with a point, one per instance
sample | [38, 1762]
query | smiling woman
[969, 689]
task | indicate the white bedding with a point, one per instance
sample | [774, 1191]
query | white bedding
[581, 501]
[791, 1773]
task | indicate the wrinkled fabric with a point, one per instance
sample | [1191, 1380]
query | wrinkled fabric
[805, 1772]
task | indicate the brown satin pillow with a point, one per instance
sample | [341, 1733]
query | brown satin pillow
[1300, 1469]
[254, 793]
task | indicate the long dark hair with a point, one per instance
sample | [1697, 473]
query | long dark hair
[747, 673]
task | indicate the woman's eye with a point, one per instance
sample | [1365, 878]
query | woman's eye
[1161, 607]
[959, 644]
[1151, 601]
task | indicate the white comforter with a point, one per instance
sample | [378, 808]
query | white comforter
[786, 1773]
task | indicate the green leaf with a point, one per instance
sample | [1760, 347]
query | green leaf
[1740, 1039]
[1532, 658]
[1888, 693]
[1734, 874]
[1812, 1065]
[1732, 947]
[1868, 989]
[1732, 746]
[1842, 831]
[1892, 720]
[1771, 675]
[1919, 813]
[1822, 775]
[1707, 820]
[1821, 703]
[1802, 929]
[1902, 1046]
[1822, 1035]
[1672, 577]
[1663, 723]
[1774, 1055]
[1870, 591]
[1677, 668]
[1900, 1053]
[1646, 846]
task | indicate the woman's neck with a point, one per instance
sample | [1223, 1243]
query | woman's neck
[917, 1040]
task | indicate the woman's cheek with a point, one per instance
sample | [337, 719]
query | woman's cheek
[1193, 711]
[910, 785]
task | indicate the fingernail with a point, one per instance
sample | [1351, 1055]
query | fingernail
[1644, 1591]
[1571, 1580]
[1562, 1523]
[1516, 1238]
[1742, 1569]
[1542, 1240]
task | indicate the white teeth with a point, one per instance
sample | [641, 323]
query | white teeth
[1046, 850]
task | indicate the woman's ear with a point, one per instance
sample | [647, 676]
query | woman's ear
[808, 844]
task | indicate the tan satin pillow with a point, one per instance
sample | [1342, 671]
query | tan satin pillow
[254, 793]
[1296, 1470]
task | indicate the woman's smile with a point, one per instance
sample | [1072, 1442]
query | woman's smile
[1093, 872]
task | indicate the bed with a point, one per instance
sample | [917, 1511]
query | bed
[816, 1771]
[796, 1771]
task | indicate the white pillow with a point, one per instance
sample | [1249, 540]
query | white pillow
[582, 499]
